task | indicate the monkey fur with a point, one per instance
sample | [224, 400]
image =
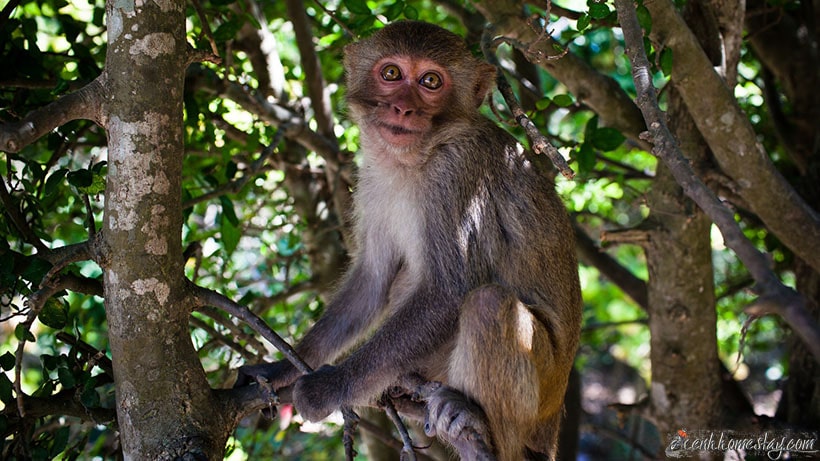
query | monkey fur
[465, 269]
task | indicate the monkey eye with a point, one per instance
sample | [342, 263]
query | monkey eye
[431, 80]
[391, 72]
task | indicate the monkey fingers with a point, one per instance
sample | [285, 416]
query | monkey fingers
[277, 375]
[460, 421]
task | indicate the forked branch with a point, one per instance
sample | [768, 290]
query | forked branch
[774, 296]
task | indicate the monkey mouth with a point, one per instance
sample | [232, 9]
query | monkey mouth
[398, 135]
[398, 130]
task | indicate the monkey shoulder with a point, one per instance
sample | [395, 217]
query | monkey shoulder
[482, 153]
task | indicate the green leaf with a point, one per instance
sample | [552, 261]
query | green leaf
[394, 10]
[607, 139]
[60, 440]
[98, 167]
[7, 361]
[230, 235]
[591, 126]
[61, 87]
[54, 181]
[644, 19]
[6, 388]
[586, 158]
[45, 390]
[90, 398]
[22, 333]
[542, 104]
[97, 185]
[228, 211]
[54, 314]
[411, 13]
[666, 61]
[562, 100]
[228, 30]
[599, 10]
[357, 6]
[583, 22]
[34, 269]
[66, 378]
[230, 170]
[50, 362]
[81, 178]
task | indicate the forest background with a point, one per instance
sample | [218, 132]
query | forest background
[173, 171]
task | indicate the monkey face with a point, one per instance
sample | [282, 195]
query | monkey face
[408, 92]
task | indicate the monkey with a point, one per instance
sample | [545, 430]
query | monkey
[464, 271]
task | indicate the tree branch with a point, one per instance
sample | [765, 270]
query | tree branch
[212, 298]
[732, 138]
[594, 256]
[85, 103]
[62, 403]
[775, 297]
[599, 92]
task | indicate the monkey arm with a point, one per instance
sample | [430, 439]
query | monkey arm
[432, 317]
[356, 306]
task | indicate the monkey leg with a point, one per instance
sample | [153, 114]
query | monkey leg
[501, 354]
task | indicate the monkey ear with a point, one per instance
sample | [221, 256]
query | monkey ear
[485, 81]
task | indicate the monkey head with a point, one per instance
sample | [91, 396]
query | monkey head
[409, 78]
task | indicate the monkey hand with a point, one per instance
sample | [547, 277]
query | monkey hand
[276, 375]
[459, 420]
[318, 394]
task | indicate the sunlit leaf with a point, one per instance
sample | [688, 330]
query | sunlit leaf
[583, 22]
[599, 10]
[666, 61]
[562, 100]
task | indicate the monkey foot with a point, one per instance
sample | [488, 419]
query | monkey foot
[454, 417]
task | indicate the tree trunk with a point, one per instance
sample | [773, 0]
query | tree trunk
[165, 407]
[681, 299]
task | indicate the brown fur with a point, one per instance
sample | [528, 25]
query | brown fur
[464, 251]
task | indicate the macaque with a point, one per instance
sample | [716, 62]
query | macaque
[465, 270]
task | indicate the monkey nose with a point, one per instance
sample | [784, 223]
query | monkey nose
[400, 110]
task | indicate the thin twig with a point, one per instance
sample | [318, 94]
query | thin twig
[206, 27]
[213, 298]
[539, 143]
[408, 452]
[35, 304]
[332, 15]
